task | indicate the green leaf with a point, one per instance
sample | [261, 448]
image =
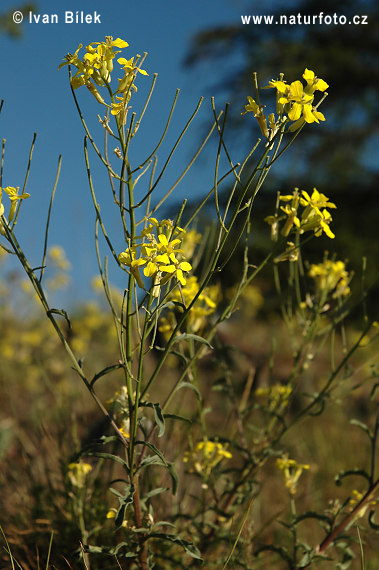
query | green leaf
[159, 419]
[363, 426]
[176, 417]
[158, 415]
[191, 387]
[151, 460]
[155, 492]
[190, 336]
[126, 500]
[188, 546]
[109, 456]
[160, 461]
[348, 473]
[154, 449]
[105, 371]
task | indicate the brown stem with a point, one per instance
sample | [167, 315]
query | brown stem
[138, 515]
[329, 539]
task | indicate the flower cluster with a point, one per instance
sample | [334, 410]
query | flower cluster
[160, 255]
[278, 396]
[314, 216]
[356, 498]
[77, 473]
[14, 197]
[205, 456]
[205, 305]
[331, 277]
[95, 69]
[294, 102]
[291, 472]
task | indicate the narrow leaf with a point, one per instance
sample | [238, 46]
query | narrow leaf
[105, 371]
[159, 419]
[191, 336]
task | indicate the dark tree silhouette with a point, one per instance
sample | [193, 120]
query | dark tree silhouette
[8, 26]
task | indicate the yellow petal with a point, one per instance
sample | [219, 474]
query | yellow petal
[295, 112]
[179, 276]
[296, 89]
[168, 268]
[120, 43]
[163, 240]
[308, 114]
[150, 269]
[162, 258]
[321, 85]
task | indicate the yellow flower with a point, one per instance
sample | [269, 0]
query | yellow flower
[292, 219]
[129, 258]
[278, 395]
[159, 256]
[58, 257]
[357, 496]
[291, 472]
[331, 277]
[77, 473]
[313, 82]
[205, 456]
[124, 428]
[14, 197]
[96, 66]
[297, 100]
[204, 306]
[312, 218]
[316, 201]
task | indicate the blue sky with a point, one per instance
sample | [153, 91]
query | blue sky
[38, 99]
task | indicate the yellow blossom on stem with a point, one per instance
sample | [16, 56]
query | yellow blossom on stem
[356, 498]
[316, 201]
[129, 258]
[291, 472]
[312, 218]
[95, 70]
[204, 306]
[160, 255]
[14, 197]
[205, 456]
[278, 395]
[296, 100]
[77, 473]
[330, 277]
